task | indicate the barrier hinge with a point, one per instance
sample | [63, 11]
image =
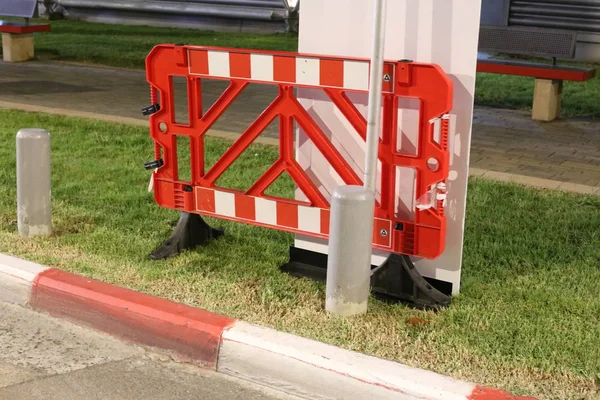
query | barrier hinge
[154, 164]
[181, 54]
[403, 70]
[154, 108]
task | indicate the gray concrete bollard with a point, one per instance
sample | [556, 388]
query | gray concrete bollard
[34, 197]
[349, 260]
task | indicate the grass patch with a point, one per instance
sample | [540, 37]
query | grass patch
[527, 320]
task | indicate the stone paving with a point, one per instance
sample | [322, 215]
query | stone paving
[509, 141]
[503, 141]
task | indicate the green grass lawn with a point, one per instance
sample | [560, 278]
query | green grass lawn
[127, 46]
[527, 320]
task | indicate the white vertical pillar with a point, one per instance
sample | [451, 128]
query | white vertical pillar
[444, 32]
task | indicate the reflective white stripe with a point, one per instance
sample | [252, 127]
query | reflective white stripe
[266, 211]
[309, 219]
[218, 63]
[356, 75]
[261, 67]
[308, 71]
[225, 204]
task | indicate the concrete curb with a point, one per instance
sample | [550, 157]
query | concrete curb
[16, 279]
[282, 361]
[191, 332]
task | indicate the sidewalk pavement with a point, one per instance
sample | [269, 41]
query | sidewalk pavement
[43, 358]
[563, 154]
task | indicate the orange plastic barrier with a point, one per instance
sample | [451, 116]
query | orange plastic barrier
[424, 236]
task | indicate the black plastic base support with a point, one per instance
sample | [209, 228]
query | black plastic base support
[191, 231]
[396, 280]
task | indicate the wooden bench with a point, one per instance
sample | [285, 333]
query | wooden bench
[17, 36]
[534, 42]
[549, 80]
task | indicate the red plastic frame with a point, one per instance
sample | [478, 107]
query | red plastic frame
[423, 237]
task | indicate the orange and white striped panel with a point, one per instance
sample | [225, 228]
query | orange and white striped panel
[281, 68]
[274, 214]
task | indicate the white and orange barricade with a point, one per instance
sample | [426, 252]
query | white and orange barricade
[422, 236]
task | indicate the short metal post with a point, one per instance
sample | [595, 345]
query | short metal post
[34, 198]
[350, 241]
[353, 207]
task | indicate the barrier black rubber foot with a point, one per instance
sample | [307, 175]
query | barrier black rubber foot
[396, 280]
[191, 231]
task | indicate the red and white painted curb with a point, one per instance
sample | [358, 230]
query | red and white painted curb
[285, 362]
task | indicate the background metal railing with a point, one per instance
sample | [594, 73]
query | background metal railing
[547, 26]
[577, 15]
[221, 15]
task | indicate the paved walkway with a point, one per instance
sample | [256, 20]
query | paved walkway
[42, 358]
[504, 142]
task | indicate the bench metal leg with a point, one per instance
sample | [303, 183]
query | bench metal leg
[546, 100]
[17, 47]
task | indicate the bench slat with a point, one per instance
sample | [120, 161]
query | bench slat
[19, 27]
[540, 71]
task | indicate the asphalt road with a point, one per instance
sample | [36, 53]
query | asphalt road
[51, 359]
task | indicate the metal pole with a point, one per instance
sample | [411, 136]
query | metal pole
[34, 198]
[375, 86]
[349, 260]
[353, 207]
